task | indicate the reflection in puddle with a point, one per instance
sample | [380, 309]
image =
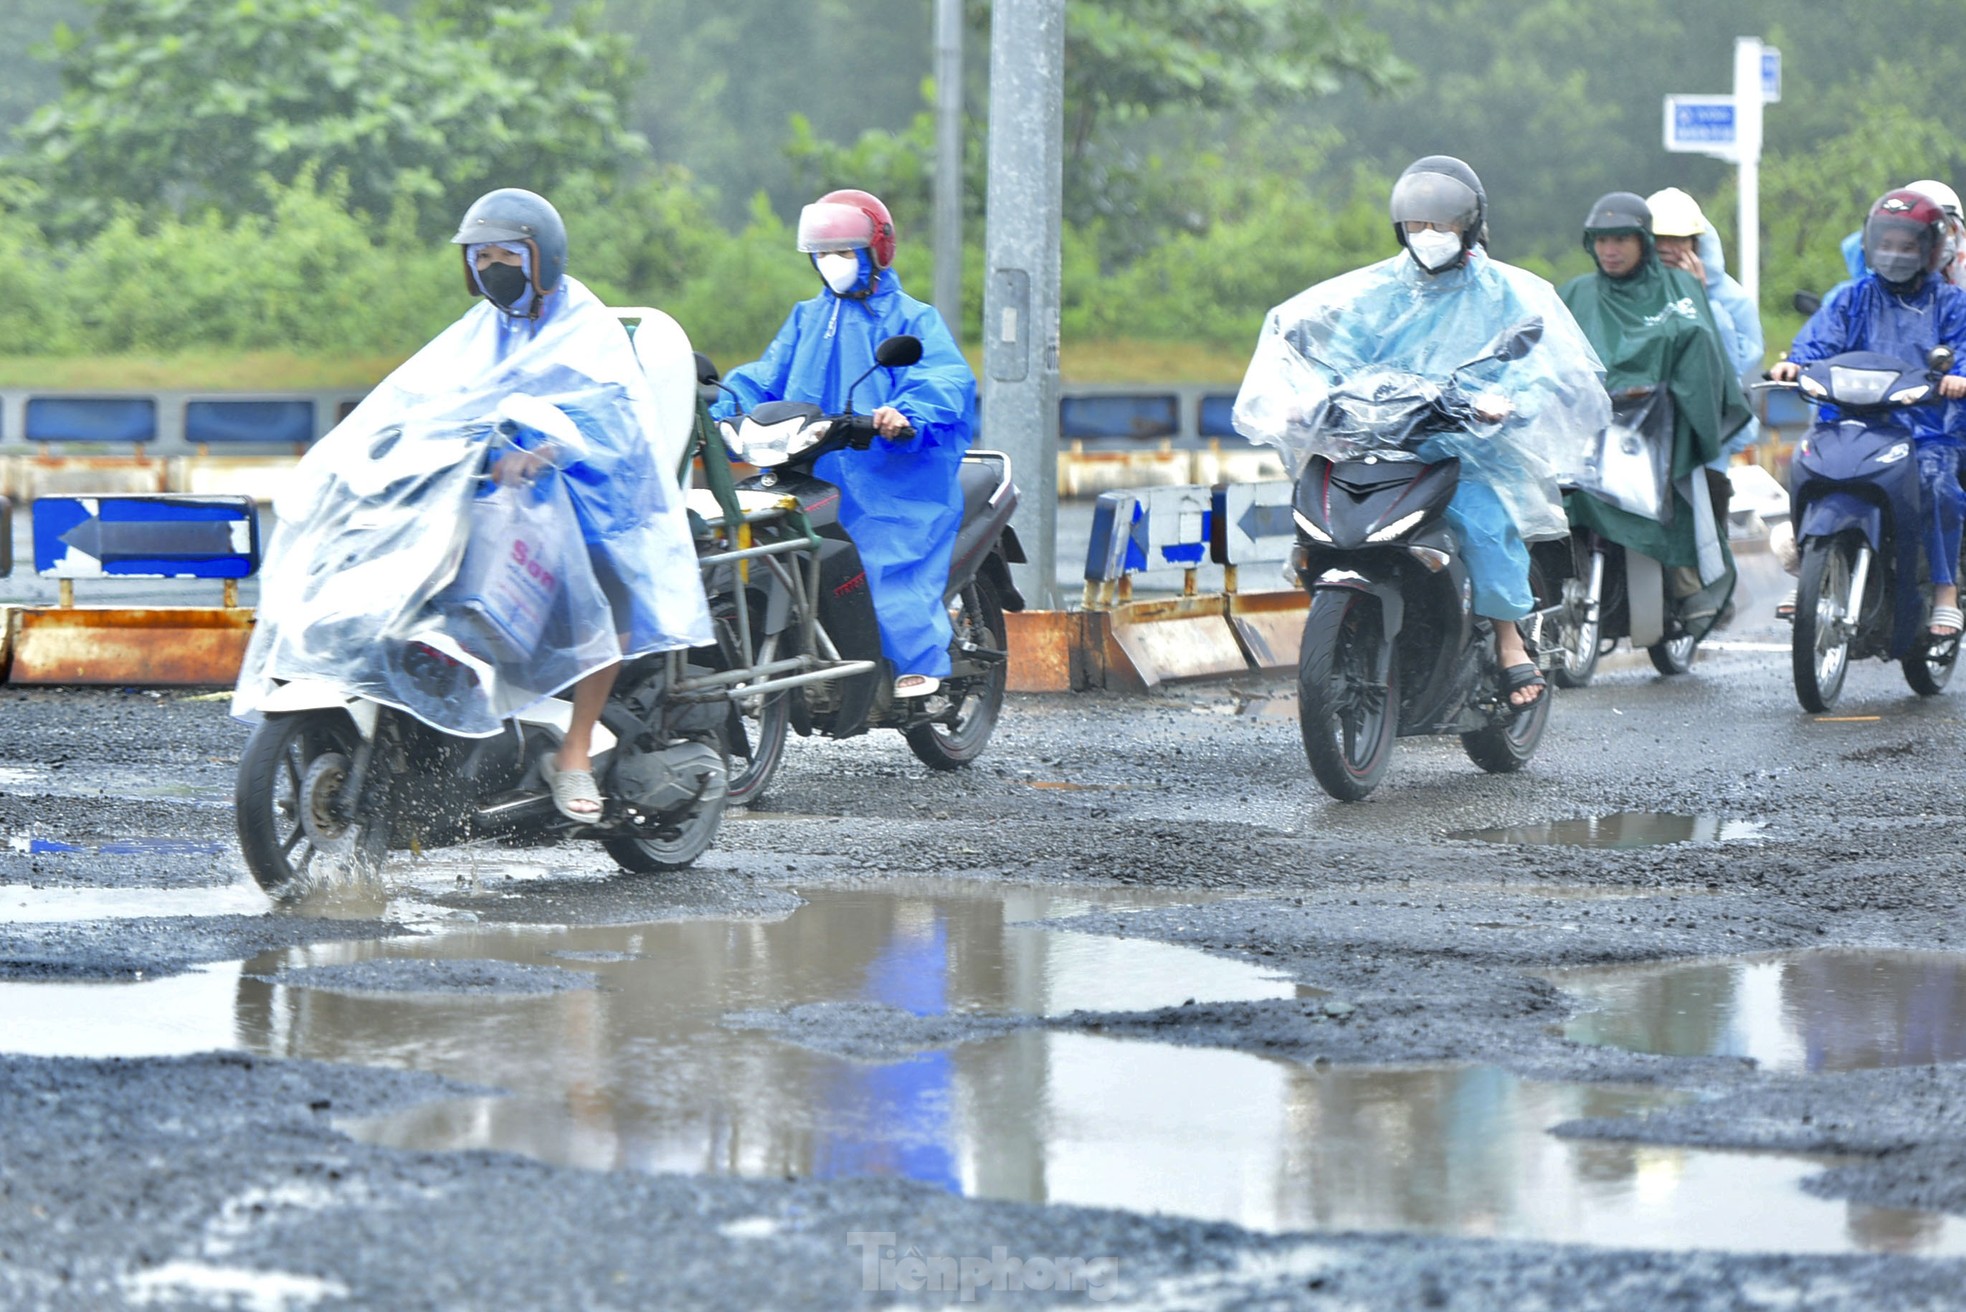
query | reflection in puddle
[1624, 829]
[25, 904]
[120, 847]
[1832, 1010]
[642, 1073]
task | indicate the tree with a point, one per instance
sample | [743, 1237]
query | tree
[192, 104]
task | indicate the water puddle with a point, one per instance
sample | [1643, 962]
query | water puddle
[647, 1070]
[1620, 830]
[1830, 1010]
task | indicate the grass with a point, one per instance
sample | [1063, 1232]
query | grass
[275, 371]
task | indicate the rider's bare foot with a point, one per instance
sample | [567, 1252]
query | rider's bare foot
[1512, 655]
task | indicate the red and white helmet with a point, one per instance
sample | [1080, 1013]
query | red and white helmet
[848, 221]
[1904, 236]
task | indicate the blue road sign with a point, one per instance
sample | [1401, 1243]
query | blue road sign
[146, 537]
[1771, 74]
[1699, 123]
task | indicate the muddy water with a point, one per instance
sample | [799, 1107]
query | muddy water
[1831, 1010]
[1621, 830]
[646, 1070]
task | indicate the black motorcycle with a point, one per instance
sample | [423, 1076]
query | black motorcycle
[810, 617]
[1391, 645]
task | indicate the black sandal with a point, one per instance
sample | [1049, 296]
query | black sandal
[1517, 677]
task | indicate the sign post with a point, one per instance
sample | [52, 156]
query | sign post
[1729, 127]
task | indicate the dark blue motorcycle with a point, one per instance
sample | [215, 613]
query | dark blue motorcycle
[1859, 526]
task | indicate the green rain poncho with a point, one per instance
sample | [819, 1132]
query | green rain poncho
[1655, 328]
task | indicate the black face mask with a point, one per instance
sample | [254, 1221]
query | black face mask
[505, 284]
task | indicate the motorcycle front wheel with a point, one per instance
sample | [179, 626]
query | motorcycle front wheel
[977, 618]
[290, 780]
[1347, 717]
[1581, 641]
[1820, 649]
[756, 730]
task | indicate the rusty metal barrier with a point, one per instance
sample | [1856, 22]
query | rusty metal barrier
[109, 536]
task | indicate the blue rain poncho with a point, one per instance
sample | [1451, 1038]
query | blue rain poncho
[1393, 316]
[392, 543]
[1738, 321]
[1868, 316]
[899, 501]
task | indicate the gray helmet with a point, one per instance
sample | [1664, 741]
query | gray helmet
[516, 215]
[1616, 212]
[1440, 189]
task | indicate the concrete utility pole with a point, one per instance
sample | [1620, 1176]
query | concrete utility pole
[1020, 297]
[949, 164]
[1749, 91]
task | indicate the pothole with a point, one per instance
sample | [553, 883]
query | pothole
[1824, 1010]
[1621, 829]
[649, 1070]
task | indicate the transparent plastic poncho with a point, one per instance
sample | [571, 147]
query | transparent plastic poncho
[401, 571]
[1395, 338]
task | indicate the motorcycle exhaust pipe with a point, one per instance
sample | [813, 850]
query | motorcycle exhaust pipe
[512, 812]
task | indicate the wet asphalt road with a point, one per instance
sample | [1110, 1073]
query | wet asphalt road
[229, 1178]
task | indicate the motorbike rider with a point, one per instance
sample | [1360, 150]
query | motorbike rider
[636, 589]
[900, 499]
[1653, 328]
[1436, 305]
[1685, 240]
[1902, 307]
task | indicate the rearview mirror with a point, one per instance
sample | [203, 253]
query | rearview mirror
[1939, 359]
[1806, 302]
[898, 352]
[706, 370]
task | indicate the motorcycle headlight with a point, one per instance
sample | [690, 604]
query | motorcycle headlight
[1811, 386]
[765, 445]
[1398, 528]
[1908, 395]
[1311, 530]
[1892, 454]
[1860, 386]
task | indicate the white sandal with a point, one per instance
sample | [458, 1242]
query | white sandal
[916, 685]
[570, 787]
[1946, 617]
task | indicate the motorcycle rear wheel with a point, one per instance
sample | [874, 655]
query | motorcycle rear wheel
[290, 778]
[677, 847]
[1674, 655]
[978, 620]
[1347, 719]
[1818, 657]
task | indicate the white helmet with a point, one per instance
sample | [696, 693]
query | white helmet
[1939, 194]
[1675, 214]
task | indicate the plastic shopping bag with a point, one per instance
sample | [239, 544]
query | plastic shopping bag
[1629, 464]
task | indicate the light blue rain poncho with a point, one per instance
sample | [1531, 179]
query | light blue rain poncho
[1396, 318]
[899, 501]
[1739, 323]
[392, 544]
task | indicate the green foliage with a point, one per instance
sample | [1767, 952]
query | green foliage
[186, 105]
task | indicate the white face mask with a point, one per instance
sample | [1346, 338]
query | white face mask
[840, 269]
[1434, 250]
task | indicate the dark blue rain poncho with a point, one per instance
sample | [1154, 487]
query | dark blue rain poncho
[900, 501]
[1869, 316]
